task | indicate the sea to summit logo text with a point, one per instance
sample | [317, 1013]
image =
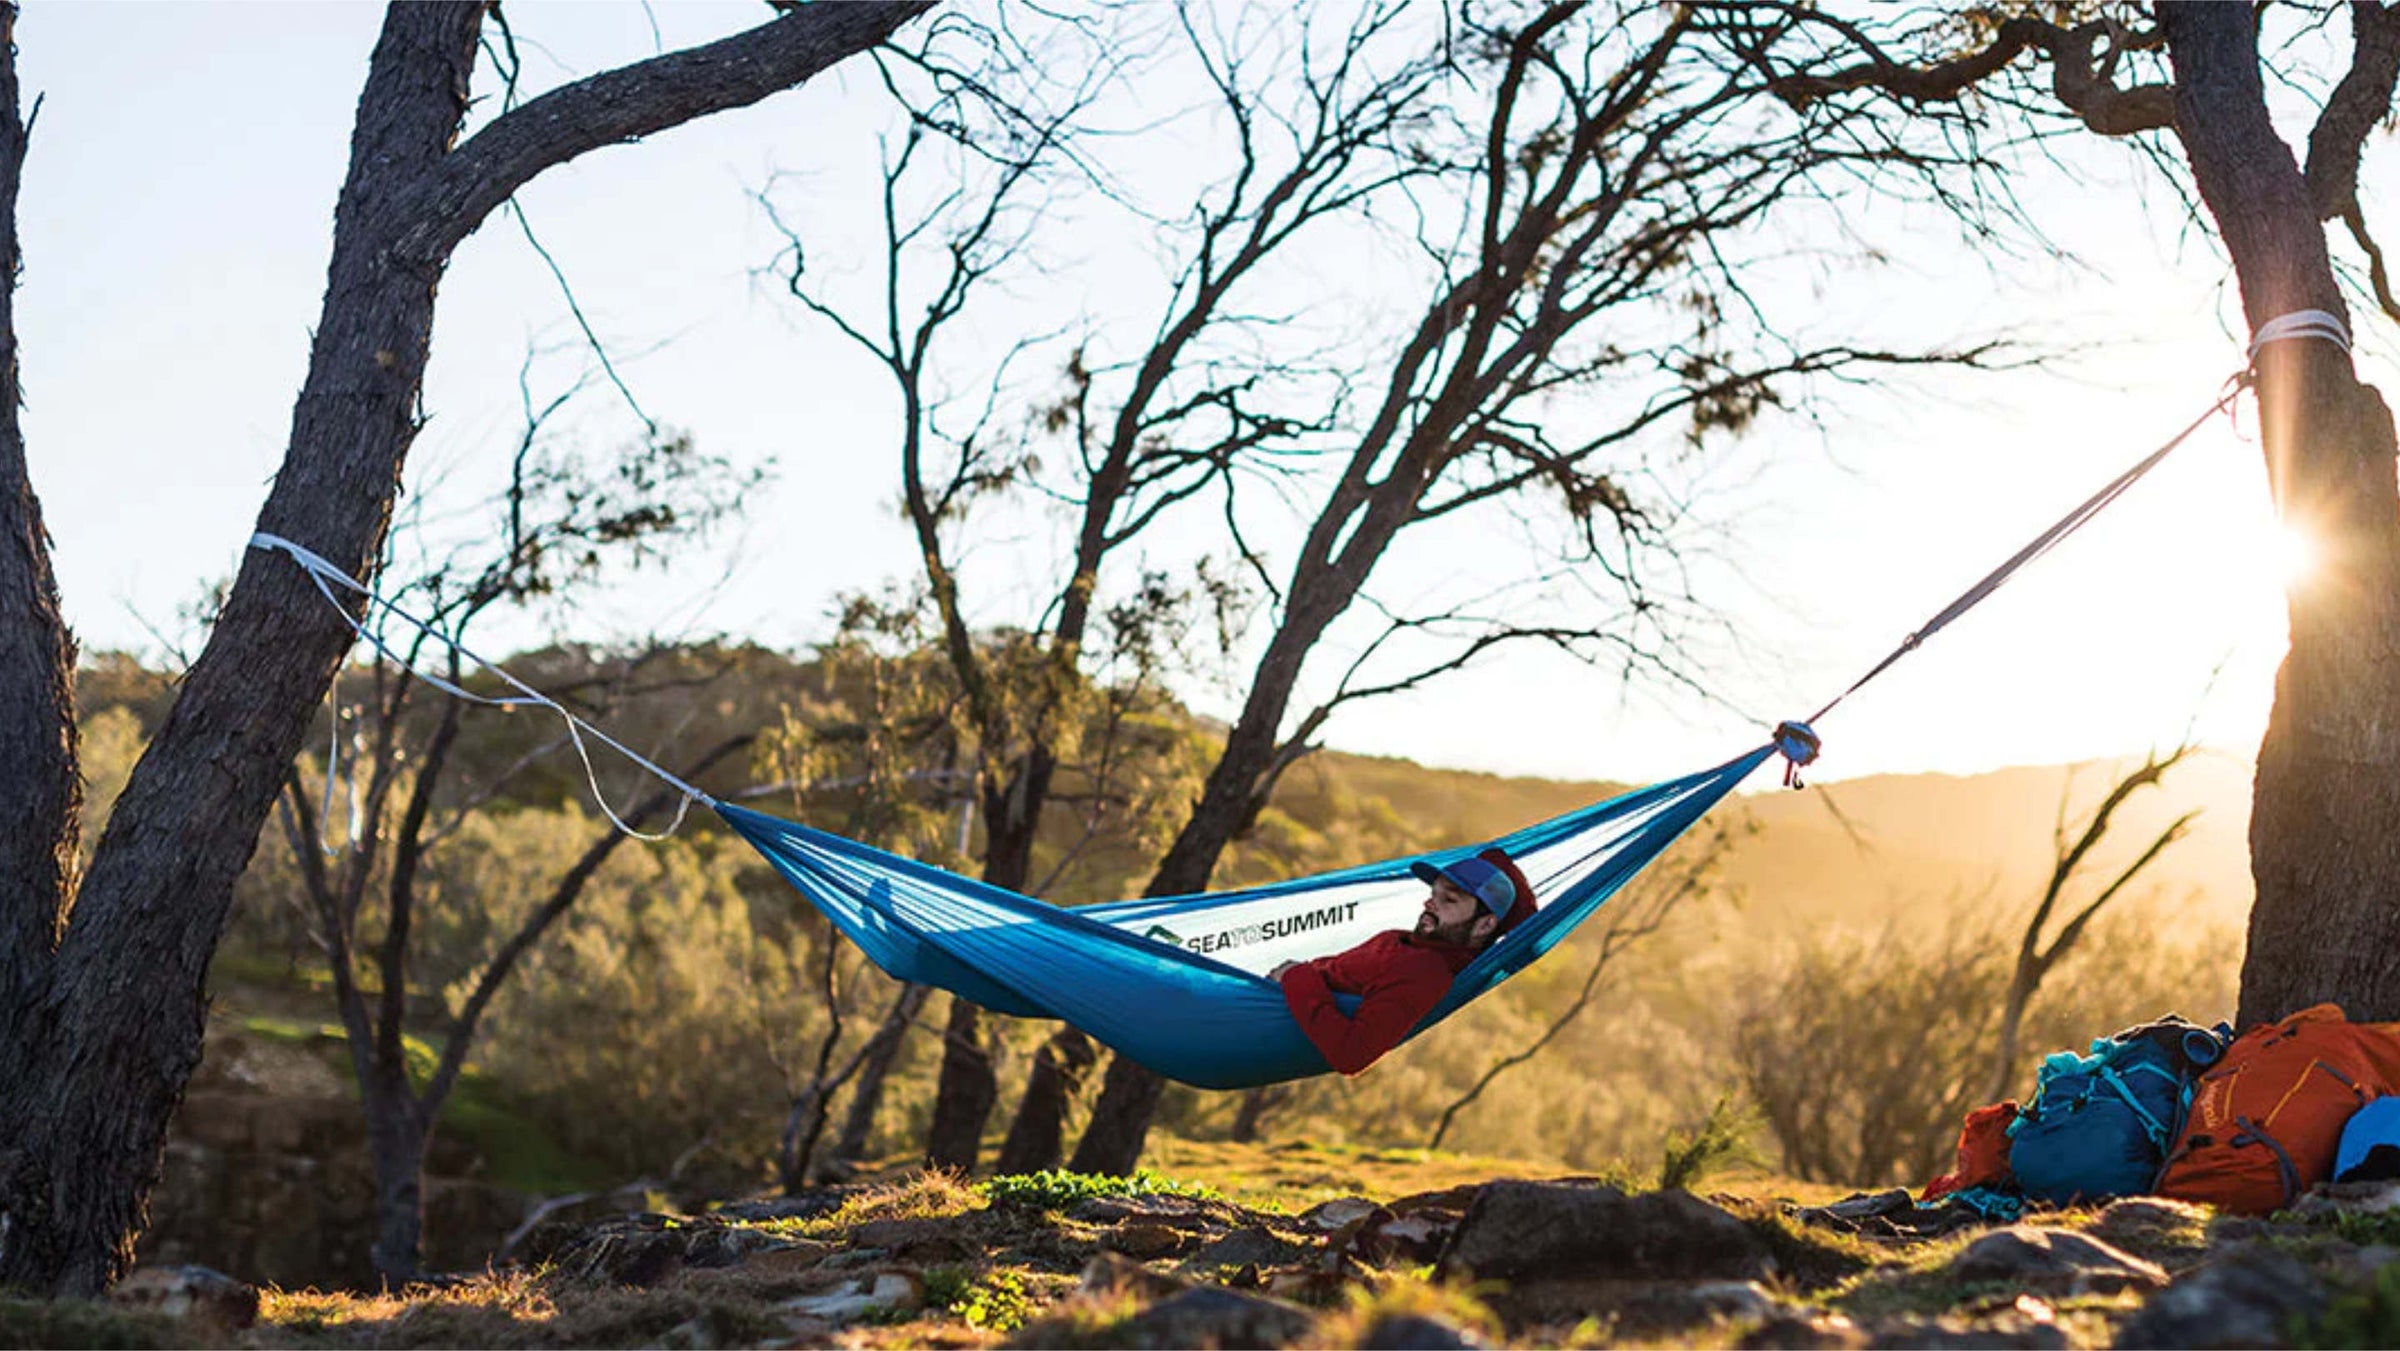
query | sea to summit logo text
[1268, 930]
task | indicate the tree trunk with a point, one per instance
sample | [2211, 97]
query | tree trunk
[1038, 1135]
[397, 1133]
[127, 998]
[802, 1126]
[1112, 1140]
[1120, 1125]
[96, 1074]
[2325, 815]
[967, 1088]
[42, 808]
[1250, 1119]
[964, 1094]
[2325, 820]
[2004, 1049]
[874, 1073]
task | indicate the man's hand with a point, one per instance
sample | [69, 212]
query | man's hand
[1276, 975]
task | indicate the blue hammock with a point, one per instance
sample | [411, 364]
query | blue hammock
[1178, 982]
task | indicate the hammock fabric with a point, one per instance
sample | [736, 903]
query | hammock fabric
[1178, 983]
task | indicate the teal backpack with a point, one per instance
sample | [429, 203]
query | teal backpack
[2099, 1125]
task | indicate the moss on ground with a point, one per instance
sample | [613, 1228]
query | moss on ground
[88, 1323]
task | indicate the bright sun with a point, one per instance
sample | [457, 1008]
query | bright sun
[2295, 555]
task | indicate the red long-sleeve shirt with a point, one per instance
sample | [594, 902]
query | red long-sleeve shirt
[1398, 979]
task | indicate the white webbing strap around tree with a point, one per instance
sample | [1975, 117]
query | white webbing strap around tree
[326, 576]
[2300, 324]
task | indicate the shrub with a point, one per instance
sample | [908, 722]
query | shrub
[1692, 1155]
[655, 1014]
[1864, 1051]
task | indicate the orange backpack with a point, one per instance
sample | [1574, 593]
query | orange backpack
[2266, 1120]
[1982, 1152]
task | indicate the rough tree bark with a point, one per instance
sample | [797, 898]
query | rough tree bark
[41, 810]
[398, 1131]
[2325, 816]
[965, 1088]
[97, 1054]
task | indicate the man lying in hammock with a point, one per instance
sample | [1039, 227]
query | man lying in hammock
[1399, 977]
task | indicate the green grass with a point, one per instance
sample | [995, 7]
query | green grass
[290, 1031]
[2362, 1227]
[1291, 1176]
[999, 1302]
[914, 1196]
[2363, 1318]
[1690, 1156]
[1055, 1189]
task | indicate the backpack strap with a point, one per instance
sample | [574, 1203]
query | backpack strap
[2160, 1134]
[2250, 1134]
[2361, 1094]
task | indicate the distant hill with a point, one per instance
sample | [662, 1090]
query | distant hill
[1924, 837]
[1900, 842]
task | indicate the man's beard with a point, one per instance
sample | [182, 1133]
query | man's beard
[1456, 935]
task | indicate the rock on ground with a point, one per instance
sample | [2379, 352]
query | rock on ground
[2054, 1262]
[1518, 1231]
[2247, 1294]
[189, 1292]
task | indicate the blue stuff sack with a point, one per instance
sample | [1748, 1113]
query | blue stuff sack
[2370, 1149]
[2099, 1125]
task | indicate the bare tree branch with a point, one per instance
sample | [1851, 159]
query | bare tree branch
[630, 102]
[2082, 59]
[563, 895]
[2035, 957]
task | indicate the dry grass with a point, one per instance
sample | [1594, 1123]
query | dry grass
[906, 1196]
[1292, 1176]
[511, 1308]
[1087, 1319]
[522, 1309]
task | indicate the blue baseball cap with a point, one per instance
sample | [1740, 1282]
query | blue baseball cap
[1482, 880]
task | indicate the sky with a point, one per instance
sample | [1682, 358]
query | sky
[176, 218]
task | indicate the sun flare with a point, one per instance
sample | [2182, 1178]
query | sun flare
[2294, 553]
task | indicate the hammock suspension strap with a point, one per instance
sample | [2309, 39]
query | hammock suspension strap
[327, 576]
[2283, 328]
